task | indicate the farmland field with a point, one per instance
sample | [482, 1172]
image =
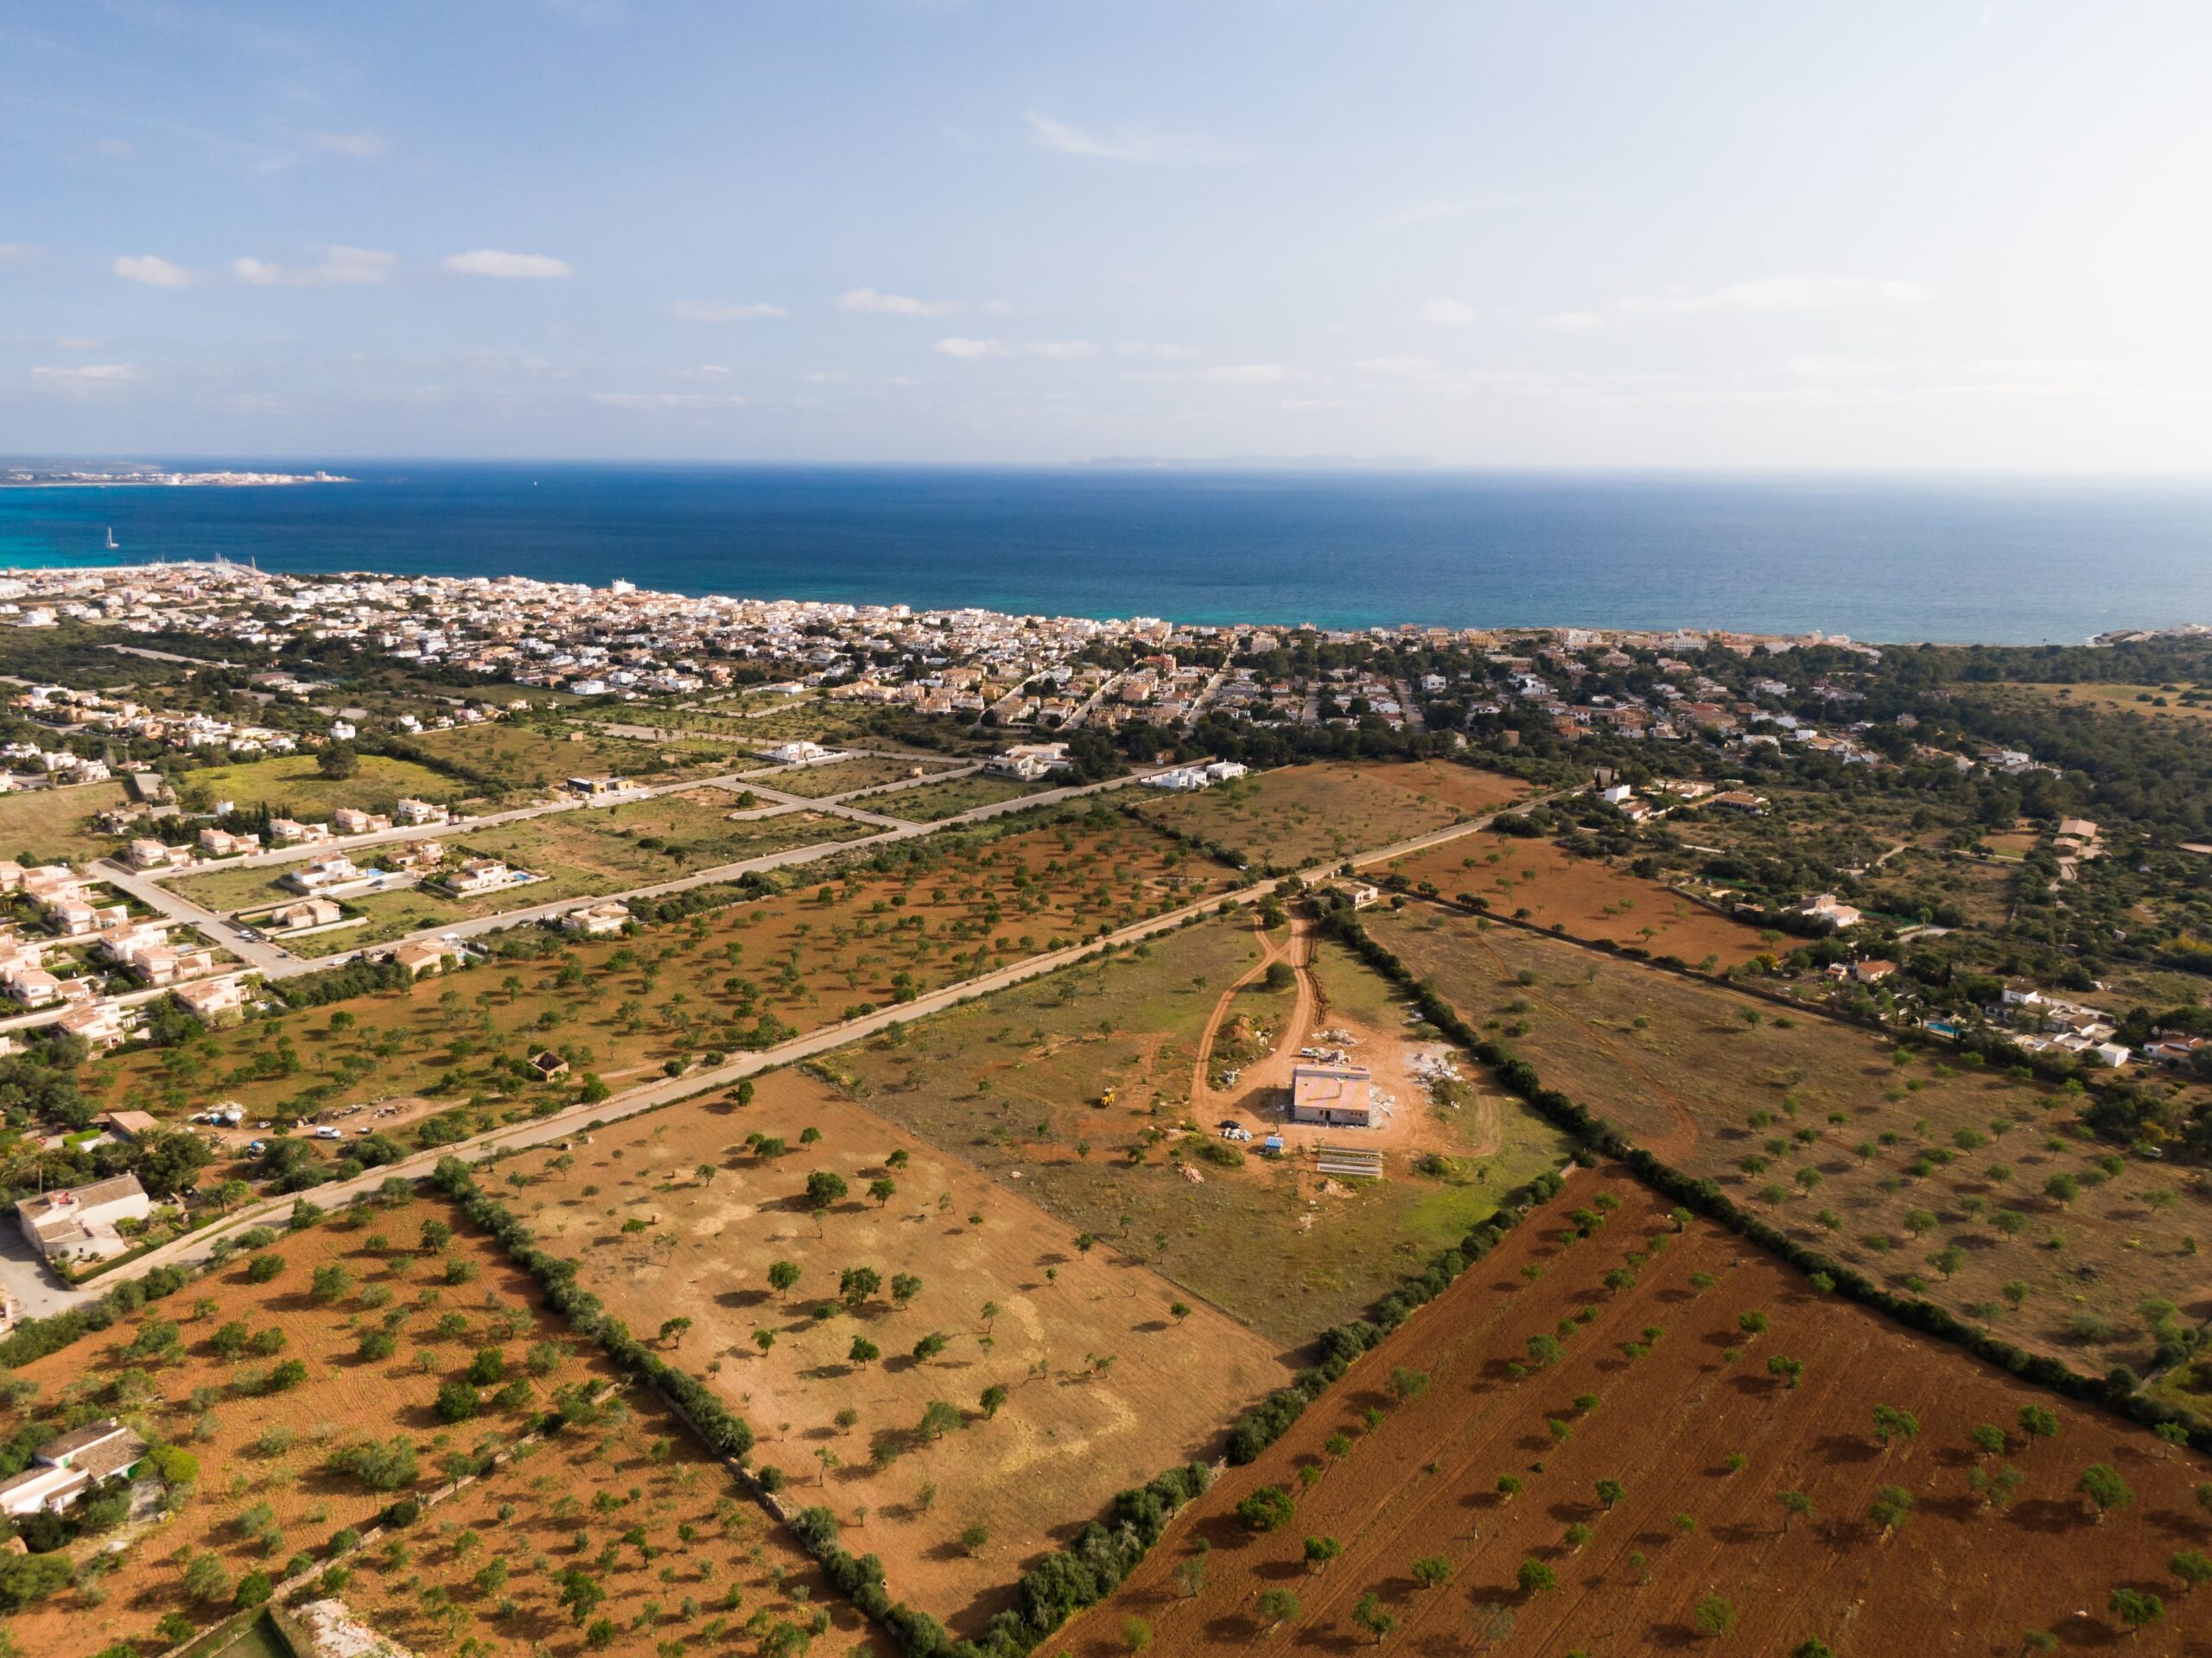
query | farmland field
[265, 1491]
[1884, 1158]
[842, 776]
[927, 802]
[927, 912]
[1648, 1443]
[55, 825]
[1012, 1083]
[525, 763]
[293, 784]
[680, 1547]
[1307, 814]
[1104, 1383]
[1536, 881]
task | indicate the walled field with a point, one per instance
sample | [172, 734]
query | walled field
[949, 906]
[1309, 814]
[294, 783]
[842, 776]
[1925, 1156]
[55, 825]
[271, 1449]
[1013, 1082]
[928, 803]
[1659, 1387]
[674, 1217]
[1536, 881]
[670, 1535]
[526, 763]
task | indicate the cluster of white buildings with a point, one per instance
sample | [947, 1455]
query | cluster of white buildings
[1185, 778]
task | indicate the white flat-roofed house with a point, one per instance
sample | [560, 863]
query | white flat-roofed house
[81, 1220]
[481, 875]
[63, 1470]
[329, 869]
[1828, 908]
[418, 812]
[216, 1002]
[1334, 1096]
[1027, 762]
[287, 831]
[602, 920]
[798, 753]
[221, 843]
[102, 1024]
[307, 912]
[148, 854]
[78, 916]
[33, 987]
[352, 820]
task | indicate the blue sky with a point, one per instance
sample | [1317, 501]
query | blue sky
[1871, 235]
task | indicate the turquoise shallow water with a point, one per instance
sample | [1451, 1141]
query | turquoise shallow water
[1877, 559]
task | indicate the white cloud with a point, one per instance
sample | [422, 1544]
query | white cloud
[1426, 211]
[1144, 348]
[339, 267]
[1450, 312]
[152, 269]
[875, 304]
[90, 378]
[1247, 374]
[1835, 370]
[1064, 348]
[509, 267]
[954, 346]
[692, 310]
[1777, 294]
[1138, 144]
[664, 400]
[998, 307]
[357, 146]
[1572, 321]
[703, 371]
[1406, 368]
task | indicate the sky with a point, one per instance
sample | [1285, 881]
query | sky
[1589, 233]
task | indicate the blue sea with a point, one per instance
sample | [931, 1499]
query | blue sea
[1877, 559]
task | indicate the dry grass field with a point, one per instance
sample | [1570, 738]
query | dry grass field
[528, 763]
[948, 907]
[683, 1551]
[55, 825]
[1703, 1426]
[265, 1492]
[931, 803]
[1305, 815]
[1012, 1083]
[842, 776]
[1535, 881]
[1887, 1159]
[1104, 1383]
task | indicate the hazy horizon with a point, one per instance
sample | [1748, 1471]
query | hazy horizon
[1891, 239]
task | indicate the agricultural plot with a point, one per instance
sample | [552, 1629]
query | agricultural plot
[368, 1322]
[1536, 881]
[928, 912]
[1978, 1191]
[842, 776]
[1306, 814]
[1014, 1083]
[1648, 1440]
[931, 803]
[632, 1501]
[518, 763]
[55, 825]
[295, 785]
[957, 1375]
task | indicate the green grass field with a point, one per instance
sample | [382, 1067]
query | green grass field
[931, 803]
[295, 785]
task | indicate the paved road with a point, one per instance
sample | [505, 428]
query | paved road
[29, 1281]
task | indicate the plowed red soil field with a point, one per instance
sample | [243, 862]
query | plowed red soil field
[1703, 1438]
[1535, 881]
